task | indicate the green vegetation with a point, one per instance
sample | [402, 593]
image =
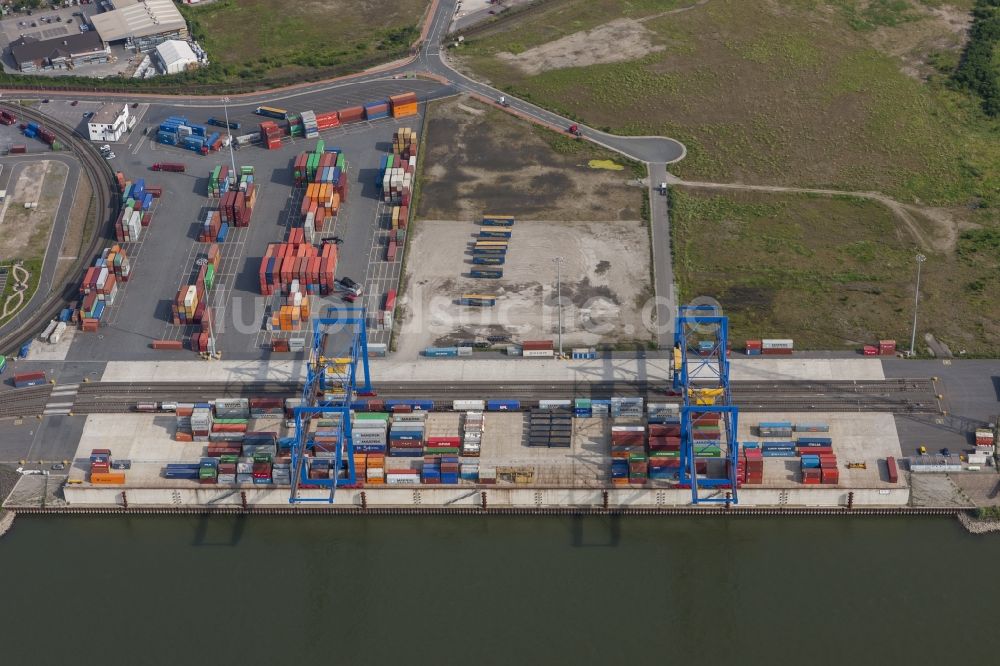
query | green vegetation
[988, 513]
[830, 272]
[255, 44]
[979, 71]
[789, 92]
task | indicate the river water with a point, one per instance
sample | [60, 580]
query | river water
[473, 590]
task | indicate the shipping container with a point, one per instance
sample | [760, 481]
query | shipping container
[26, 379]
[169, 166]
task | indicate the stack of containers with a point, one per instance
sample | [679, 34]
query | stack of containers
[261, 469]
[325, 121]
[309, 126]
[296, 260]
[177, 131]
[201, 422]
[100, 468]
[664, 443]
[376, 110]
[629, 408]
[219, 181]
[99, 286]
[236, 206]
[473, 427]
[753, 347]
[281, 473]
[469, 471]
[212, 228]
[351, 114]
[208, 471]
[397, 175]
[777, 347]
[128, 226]
[183, 432]
[628, 456]
[294, 127]
[403, 105]
[406, 435]
[190, 306]
[227, 469]
[270, 134]
[775, 429]
[264, 407]
[751, 470]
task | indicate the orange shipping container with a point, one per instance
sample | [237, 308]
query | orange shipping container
[107, 478]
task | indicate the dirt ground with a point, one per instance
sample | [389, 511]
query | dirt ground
[77, 228]
[481, 160]
[616, 41]
[605, 285]
[24, 233]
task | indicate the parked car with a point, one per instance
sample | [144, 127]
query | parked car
[74, 102]
[350, 285]
[109, 156]
[350, 297]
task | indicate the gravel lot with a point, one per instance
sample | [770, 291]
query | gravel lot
[605, 285]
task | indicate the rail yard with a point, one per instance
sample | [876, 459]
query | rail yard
[265, 319]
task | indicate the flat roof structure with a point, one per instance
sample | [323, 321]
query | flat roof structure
[138, 18]
[28, 49]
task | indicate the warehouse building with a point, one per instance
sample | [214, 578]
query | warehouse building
[141, 23]
[174, 56]
[66, 52]
[109, 123]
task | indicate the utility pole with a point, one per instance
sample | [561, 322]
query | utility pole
[916, 302]
[558, 261]
[232, 157]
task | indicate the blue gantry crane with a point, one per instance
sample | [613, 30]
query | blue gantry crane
[701, 375]
[331, 386]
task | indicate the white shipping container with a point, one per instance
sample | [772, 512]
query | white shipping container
[549, 404]
[777, 344]
[537, 353]
[48, 331]
[468, 405]
[978, 458]
[58, 333]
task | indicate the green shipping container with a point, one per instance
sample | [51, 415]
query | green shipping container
[341, 162]
[371, 416]
[320, 146]
[210, 276]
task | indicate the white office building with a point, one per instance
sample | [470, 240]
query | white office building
[109, 123]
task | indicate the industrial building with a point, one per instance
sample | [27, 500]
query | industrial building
[174, 56]
[141, 23]
[109, 123]
[65, 52]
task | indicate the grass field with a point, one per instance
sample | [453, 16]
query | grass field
[832, 273]
[845, 94]
[253, 38]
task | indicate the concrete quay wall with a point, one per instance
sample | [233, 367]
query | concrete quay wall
[466, 497]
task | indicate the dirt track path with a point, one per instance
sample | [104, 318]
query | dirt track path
[902, 211]
[679, 10]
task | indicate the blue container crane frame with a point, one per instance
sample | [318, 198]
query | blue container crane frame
[711, 369]
[323, 373]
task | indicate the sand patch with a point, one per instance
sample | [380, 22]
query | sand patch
[618, 41]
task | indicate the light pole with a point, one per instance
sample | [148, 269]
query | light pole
[916, 301]
[232, 157]
[558, 261]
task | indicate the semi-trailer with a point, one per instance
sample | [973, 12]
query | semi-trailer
[169, 166]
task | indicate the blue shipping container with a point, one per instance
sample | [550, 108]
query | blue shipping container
[502, 405]
[441, 351]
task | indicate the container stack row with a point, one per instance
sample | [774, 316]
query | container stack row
[406, 435]
[33, 130]
[313, 267]
[101, 465]
[179, 131]
[473, 427]
[629, 462]
[884, 348]
[135, 215]
[396, 175]
[552, 428]
[271, 134]
[100, 285]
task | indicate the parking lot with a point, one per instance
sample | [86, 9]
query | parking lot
[167, 253]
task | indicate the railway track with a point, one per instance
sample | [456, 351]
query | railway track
[24, 402]
[105, 190]
[904, 396]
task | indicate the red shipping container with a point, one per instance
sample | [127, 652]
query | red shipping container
[893, 471]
